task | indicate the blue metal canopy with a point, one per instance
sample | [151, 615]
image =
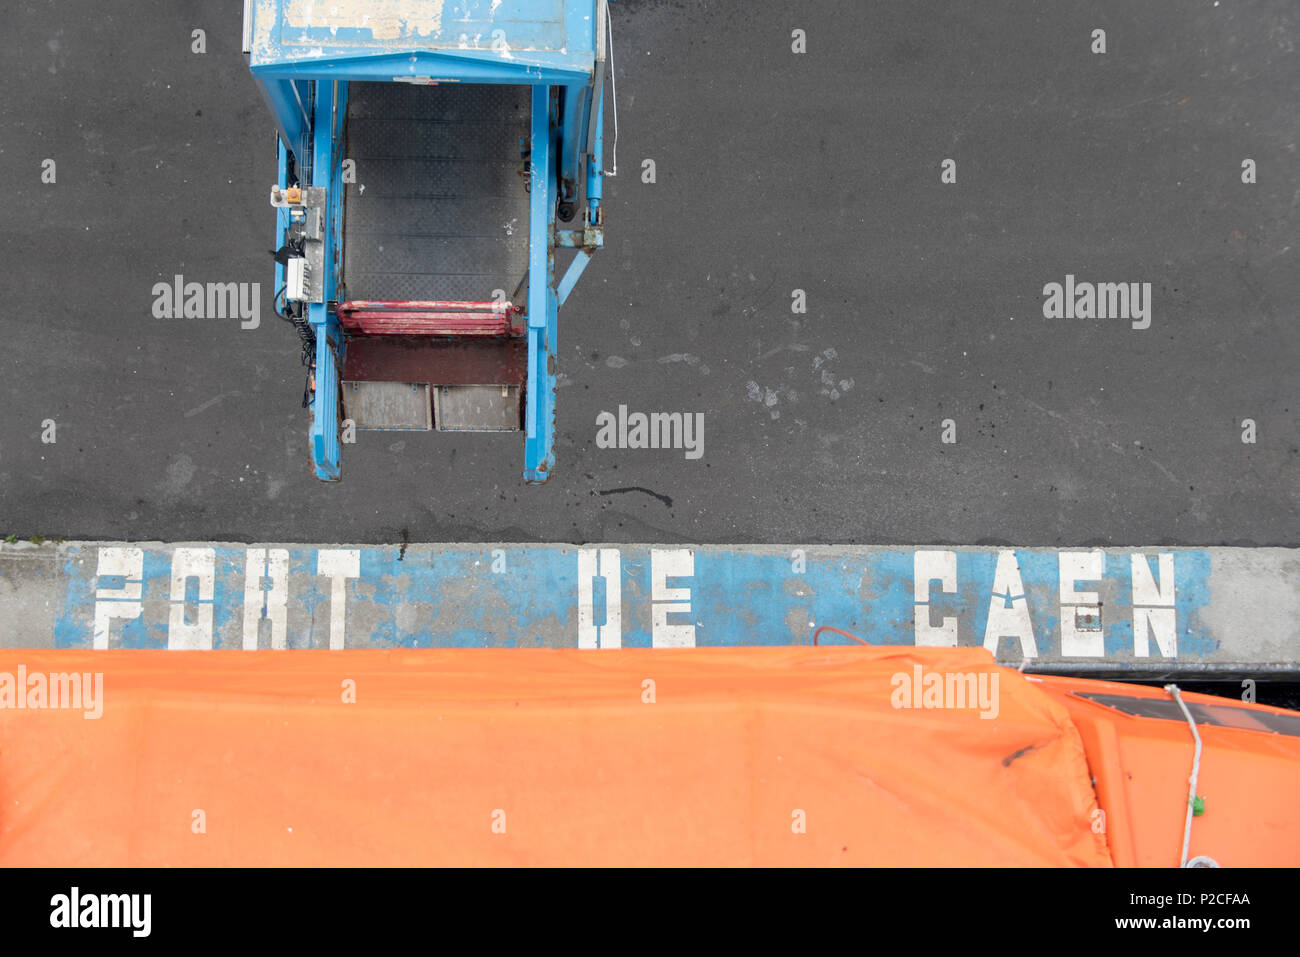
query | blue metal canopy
[478, 41]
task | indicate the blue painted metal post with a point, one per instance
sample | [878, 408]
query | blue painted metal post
[282, 214]
[574, 132]
[596, 162]
[327, 172]
[539, 452]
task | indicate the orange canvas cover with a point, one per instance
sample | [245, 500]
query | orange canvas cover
[739, 756]
[1248, 777]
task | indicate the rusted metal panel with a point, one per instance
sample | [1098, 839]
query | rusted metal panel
[477, 408]
[436, 361]
[396, 406]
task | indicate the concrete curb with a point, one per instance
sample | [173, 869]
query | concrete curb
[1134, 611]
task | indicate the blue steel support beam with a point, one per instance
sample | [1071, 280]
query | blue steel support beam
[572, 275]
[290, 103]
[420, 67]
[539, 412]
[595, 189]
[573, 136]
[281, 214]
[327, 171]
[596, 162]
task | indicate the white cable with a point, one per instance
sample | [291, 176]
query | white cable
[1196, 770]
[613, 88]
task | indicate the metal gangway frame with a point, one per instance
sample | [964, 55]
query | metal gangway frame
[303, 55]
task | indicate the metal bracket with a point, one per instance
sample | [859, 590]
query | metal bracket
[307, 211]
[589, 238]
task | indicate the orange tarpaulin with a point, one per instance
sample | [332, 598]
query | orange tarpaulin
[784, 756]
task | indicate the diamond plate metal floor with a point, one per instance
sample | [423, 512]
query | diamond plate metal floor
[439, 209]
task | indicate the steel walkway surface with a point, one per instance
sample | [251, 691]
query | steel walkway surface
[439, 208]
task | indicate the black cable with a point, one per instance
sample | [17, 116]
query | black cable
[306, 336]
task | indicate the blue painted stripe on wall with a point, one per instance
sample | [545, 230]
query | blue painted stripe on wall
[451, 596]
